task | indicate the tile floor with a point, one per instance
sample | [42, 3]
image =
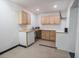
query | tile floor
[36, 51]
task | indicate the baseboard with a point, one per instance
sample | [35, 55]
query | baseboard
[22, 46]
[47, 46]
[14, 47]
[30, 44]
[8, 49]
[26, 46]
[48, 40]
[72, 55]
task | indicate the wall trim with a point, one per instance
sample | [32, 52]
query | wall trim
[8, 49]
[12, 48]
[22, 46]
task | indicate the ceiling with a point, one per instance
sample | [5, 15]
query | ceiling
[44, 5]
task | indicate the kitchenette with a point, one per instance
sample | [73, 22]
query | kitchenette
[46, 27]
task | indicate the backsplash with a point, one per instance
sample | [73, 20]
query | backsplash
[25, 27]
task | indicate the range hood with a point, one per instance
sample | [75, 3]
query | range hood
[61, 17]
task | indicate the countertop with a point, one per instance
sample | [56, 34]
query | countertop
[26, 30]
[50, 30]
[29, 30]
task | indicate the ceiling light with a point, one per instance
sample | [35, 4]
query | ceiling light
[37, 9]
[55, 6]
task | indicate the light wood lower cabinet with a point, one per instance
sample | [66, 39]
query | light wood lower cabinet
[43, 35]
[48, 35]
[52, 35]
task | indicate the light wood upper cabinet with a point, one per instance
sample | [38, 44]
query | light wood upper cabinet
[45, 20]
[57, 20]
[50, 20]
[24, 18]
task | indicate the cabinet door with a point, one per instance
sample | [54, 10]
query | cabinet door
[22, 38]
[52, 20]
[57, 19]
[47, 35]
[43, 34]
[38, 34]
[31, 38]
[19, 17]
[24, 18]
[52, 35]
[45, 20]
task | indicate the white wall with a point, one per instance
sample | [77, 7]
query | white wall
[72, 28]
[68, 14]
[67, 41]
[77, 37]
[33, 21]
[8, 26]
[58, 28]
[77, 41]
[63, 42]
